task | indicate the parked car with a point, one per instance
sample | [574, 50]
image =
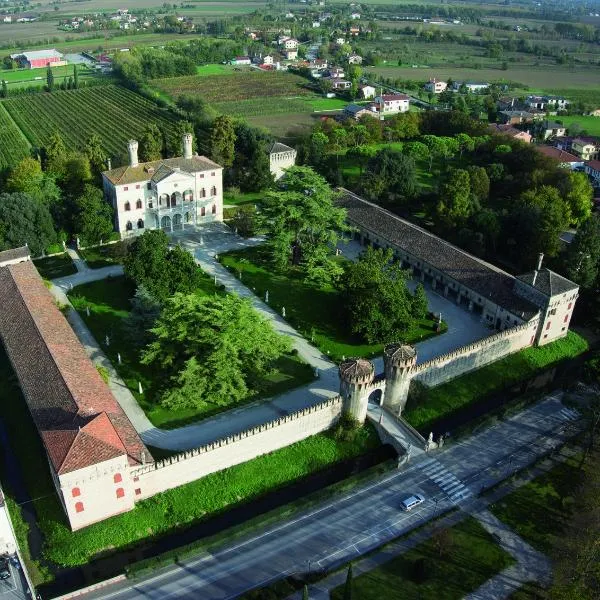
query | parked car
[4, 568]
[412, 501]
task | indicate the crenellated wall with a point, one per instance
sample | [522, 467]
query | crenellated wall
[241, 447]
[473, 356]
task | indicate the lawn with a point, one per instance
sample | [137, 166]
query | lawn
[97, 257]
[314, 311]
[237, 198]
[204, 70]
[458, 393]
[24, 77]
[469, 557]
[108, 303]
[591, 125]
[174, 510]
[53, 267]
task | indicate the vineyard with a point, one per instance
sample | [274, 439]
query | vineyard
[246, 85]
[112, 112]
[13, 146]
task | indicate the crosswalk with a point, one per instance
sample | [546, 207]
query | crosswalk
[569, 414]
[455, 489]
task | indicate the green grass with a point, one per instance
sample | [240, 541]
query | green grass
[108, 302]
[445, 399]
[53, 267]
[472, 557]
[314, 311]
[322, 104]
[591, 125]
[26, 77]
[13, 144]
[104, 256]
[240, 198]
[541, 509]
[204, 70]
[166, 512]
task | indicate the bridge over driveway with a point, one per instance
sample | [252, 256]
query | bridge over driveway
[463, 328]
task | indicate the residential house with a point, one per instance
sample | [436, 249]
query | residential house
[290, 54]
[335, 72]
[586, 147]
[546, 103]
[516, 117]
[355, 16]
[267, 60]
[354, 31]
[241, 60]
[340, 41]
[435, 86]
[356, 111]
[355, 59]
[366, 91]
[316, 24]
[339, 84]
[565, 159]
[513, 132]
[471, 86]
[592, 168]
[391, 104]
[547, 129]
[288, 43]
[6, 18]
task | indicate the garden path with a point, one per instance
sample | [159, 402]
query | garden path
[79, 263]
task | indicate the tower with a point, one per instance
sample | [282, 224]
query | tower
[398, 363]
[187, 145]
[356, 375]
[132, 147]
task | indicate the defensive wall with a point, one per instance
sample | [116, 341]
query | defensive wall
[241, 447]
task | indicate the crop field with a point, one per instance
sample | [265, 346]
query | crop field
[591, 125]
[245, 85]
[13, 145]
[26, 77]
[113, 113]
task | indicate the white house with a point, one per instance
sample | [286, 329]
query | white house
[316, 24]
[435, 86]
[390, 104]
[340, 41]
[267, 60]
[471, 86]
[355, 59]
[355, 16]
[241, 60]
[366, 91]
[169, 194]
[281, 157]
[288, 43]
[6, 18]
[592, 168]
[290, 54]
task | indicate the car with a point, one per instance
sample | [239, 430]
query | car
[411, 501]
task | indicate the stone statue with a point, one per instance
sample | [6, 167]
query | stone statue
[119, 357]
[87, 311]
[441, 442]
[317, 372]
[267, 296]
[140, 389]
[283, 312]
[430, 438]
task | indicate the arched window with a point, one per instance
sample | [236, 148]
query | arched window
[75, 492]
[117, 478]
[140, 224]
[120, 492]
[214, 209]
[78, 507]
[127, 206]
[203, 211]
[129, 226]
[213, 191]
[138, 204]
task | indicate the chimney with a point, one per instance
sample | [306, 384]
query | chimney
[187, 145]
[132, 147]
[109, 164]
[538, 268]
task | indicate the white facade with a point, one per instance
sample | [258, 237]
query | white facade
[393, 103]
[367, 91]
[281, 157]
[435, 86]
[288, 43]
[291, 54]
[170, 194]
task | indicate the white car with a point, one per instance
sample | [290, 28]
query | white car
[412, 501]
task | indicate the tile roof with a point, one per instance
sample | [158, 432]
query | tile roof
[548, 282]
[390, 97]
[277, 147]
[356, 368]
[477, 275]
[77, 416]
[593, 164]
[560, 155]
[14, 254]
[146, 171]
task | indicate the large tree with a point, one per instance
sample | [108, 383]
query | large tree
[25, 221]
[379, 306]
[213, 350]
[93, 218]
[145, 310]
[303, 224]
[161, 270]
[95, 154]
[456, 203]
[396, 172]
[581, 259]
[151, 143]
[578, 193]
[222, 140]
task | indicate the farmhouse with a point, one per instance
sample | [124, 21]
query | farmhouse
[565, 159]
[288, 43]
[586, 147]
[548, 129]
[169, 194]
[511, 131]
[38, 59]
[355, 59]
[435, 86]
[391, 104]
[502, 300]
[366, 91]
[90, 443]
[281, 157]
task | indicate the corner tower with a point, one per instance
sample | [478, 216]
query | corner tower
[398, 362]
[356, 375]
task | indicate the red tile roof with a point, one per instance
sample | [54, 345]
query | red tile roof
[560, 155]
[79, 420]
[593, 164]
[389, 97]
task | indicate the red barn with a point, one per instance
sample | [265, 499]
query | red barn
[39, 59]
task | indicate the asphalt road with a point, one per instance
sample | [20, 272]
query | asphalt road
[364, 519]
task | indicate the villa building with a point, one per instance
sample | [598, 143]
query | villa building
[169, 194]
[391, 104]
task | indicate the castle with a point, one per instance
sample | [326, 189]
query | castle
[169, 194]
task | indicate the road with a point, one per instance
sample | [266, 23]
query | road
[353, 524]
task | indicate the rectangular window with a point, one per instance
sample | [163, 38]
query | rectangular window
[548, 325]
[137, 187]
[125, 188]
[212, 174]
[570, 304]
[149, 185]
[566, 318]
[138, 491]
[201, 175]
[563, 328]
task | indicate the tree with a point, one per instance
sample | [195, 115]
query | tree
[305, 592]
[93, 219]
[151, 143]
[222, 140]
[162, 271]
[317, 146]
[55, 153]
[465, 142]
[303, 224]
[479, 182]
[348, 584]
[455, 204]
[361, 154]
[75, 77]
[4, 92]
[578, 194]
[244, 221]
[25, 221]
[397, 172]
[582, 257]
[377, 302]
[49, 79]
[145, 310]
[77, 174]
[419, 304]
[25, 177]
[213, 350]
[251, 169]
[416, 150]
[436, 146]
[95, 154]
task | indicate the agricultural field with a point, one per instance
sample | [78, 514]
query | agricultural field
[591, 125]
[243, 85]
[19, 78]
[112, 112]
[13, 144]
